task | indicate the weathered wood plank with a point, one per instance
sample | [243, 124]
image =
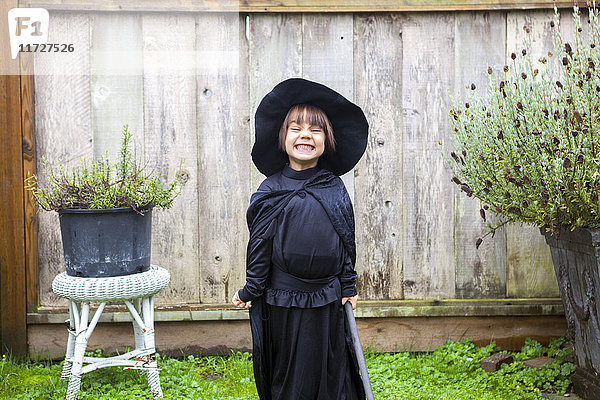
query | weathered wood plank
[293, 5]
[530, 272]
[428, 197]
[377, 334]
[275, 54]
[223, 156]
[426, 334]
[365, 309]
[327, 48]
[63, 127]
[540, 33]
[480, 273]
[13, 288]
[29, 160]
[170, 136]
[378, 186]
[567, 24]
[116, 82]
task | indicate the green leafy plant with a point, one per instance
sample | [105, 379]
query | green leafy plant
[451, 372]
[529, 147]
[102, 185]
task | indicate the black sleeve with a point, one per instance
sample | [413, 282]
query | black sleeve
[348, 276]
[258, 265]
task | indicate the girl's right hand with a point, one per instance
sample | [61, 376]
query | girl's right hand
[238, 303]
[352, 301]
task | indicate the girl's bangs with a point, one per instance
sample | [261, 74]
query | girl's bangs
[306, 114]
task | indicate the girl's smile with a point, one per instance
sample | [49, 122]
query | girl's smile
[304, 144]
[304, 148]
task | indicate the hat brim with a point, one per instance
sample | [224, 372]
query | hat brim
[349, 124]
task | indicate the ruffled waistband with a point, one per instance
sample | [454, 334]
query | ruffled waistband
[287, 290]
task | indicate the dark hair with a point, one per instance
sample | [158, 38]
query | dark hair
[312, 115]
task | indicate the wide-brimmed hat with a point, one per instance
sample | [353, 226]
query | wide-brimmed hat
[350, 126]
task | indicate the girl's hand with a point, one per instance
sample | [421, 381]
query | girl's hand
[352, 300]
[238, 303]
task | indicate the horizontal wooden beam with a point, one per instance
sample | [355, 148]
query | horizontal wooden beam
[292, 5]
[377, 334]
[365, 309]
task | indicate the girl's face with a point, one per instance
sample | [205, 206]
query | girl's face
[304, 144]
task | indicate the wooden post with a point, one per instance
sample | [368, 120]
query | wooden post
[13, 293]
[29, 168]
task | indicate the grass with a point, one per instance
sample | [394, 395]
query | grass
[450, 372]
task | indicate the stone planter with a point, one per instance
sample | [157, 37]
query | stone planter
[576, 257]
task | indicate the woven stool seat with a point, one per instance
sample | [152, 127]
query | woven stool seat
[111, 288]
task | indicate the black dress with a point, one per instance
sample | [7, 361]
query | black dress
[298, 278]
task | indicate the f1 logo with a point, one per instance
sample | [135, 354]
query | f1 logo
[27, 26]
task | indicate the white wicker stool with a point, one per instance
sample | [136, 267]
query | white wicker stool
[137, 292]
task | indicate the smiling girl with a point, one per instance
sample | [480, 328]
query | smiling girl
[301, 253]
[305, 135]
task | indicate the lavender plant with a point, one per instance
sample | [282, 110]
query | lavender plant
[103, 185]
[530, 153]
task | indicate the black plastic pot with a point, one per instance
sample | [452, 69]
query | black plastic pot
[102, 243]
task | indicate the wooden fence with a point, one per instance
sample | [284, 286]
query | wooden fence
[415, 232]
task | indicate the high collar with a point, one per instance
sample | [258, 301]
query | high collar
[289, 172]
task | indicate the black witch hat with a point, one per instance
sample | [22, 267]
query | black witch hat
[350, 126]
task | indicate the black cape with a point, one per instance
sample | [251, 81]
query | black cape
[264, 207]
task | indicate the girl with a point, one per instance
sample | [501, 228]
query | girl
[301, 252]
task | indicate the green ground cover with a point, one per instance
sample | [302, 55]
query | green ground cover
[451, 372]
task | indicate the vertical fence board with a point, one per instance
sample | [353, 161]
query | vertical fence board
[13, 288]
[327, 45]
[170, 137]
[427, 73]
[224, 157]
[116, 82]
[480, 273]
[63, 128]
[567, 27]
[379, 188]
[29, 160]
[275, 54]
[530, 272]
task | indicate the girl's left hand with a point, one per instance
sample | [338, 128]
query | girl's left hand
[352, 300]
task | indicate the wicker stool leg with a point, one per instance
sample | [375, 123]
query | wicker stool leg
[78, 353]
[153, 378]
[137, 330]
[66, 371]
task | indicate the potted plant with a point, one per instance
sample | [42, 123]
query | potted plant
[105, 212]
[531, 153]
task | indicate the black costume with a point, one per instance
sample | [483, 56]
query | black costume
[300, 264]
[301, 254]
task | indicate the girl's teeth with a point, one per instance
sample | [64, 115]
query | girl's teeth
[304, 147]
